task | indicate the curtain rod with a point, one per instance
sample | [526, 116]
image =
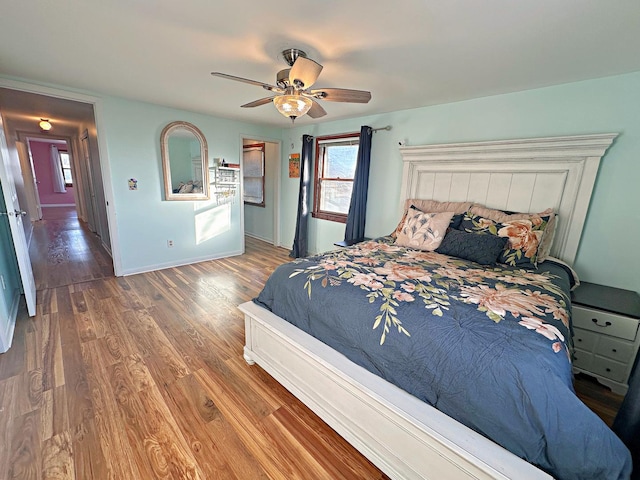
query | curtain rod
[388, 127]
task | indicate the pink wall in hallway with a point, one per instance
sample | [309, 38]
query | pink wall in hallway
[40, 152]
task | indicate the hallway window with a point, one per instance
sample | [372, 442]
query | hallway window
[65, 163]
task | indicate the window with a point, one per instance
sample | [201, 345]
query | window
[65, 163]
[253, 174]
[336, 158]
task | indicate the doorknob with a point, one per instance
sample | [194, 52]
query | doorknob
[17, 213]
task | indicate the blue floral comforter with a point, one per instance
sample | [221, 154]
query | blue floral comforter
[488, 346]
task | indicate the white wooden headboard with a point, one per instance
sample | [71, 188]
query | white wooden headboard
[524, 175]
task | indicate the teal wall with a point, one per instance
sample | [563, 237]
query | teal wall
[145, 222]
[200, 230]
[608, 252]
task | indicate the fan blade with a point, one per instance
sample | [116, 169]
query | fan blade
[304, 73]
[342, 95]
[316, 110]
[257, 103]
[266, 86]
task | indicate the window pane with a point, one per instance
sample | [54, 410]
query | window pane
[253, 189]
[336, 196]
[67, 176]
[341, 161]
[64, 158]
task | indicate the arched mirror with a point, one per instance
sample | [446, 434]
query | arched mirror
[184, 162]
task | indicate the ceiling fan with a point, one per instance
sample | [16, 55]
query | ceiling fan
[293, 88]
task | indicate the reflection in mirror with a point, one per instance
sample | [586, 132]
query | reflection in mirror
[184, 162]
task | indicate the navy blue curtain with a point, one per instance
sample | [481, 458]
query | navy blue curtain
[300, 240]
[356, 218]
[627, 422]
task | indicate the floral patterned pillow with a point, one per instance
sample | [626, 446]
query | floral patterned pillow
[501, 216]
[432, 206]
[423, 231]
[525, 236]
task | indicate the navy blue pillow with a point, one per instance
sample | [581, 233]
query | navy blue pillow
[456, 221]
[482, 249]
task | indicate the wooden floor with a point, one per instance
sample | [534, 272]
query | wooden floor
[142, 377]
[63, 252]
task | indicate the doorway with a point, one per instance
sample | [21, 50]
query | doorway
[261, 188]
[51, 163]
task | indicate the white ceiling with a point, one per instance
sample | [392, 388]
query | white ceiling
[408, 53]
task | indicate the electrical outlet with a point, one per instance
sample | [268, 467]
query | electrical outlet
[169, 243]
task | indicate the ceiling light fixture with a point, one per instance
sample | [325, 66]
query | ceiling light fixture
[45, 125]
[292, 104]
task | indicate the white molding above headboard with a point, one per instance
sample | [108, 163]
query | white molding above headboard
[522, 175]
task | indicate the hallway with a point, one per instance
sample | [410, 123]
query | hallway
[63, 251]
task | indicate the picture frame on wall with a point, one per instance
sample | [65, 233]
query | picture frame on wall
[294, 165]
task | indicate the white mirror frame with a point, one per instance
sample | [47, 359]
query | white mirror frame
[166, 165]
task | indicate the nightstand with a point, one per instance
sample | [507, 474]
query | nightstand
[344, 243]
[605, 333]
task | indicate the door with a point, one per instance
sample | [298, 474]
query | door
[15, 215]
[26, 159]
[9, 281]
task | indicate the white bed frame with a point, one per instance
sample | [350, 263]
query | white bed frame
[403, 436]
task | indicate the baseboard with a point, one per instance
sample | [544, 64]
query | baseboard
[57, 205]
[190, 261]
[107, 249]
[258, 237]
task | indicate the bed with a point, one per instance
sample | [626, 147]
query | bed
[395, 427]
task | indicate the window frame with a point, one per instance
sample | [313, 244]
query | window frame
[261, 146]
[63, 168]
[353, 139]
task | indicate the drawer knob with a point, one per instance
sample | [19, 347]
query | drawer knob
[608, 369]
[614, 350]
[579, 339]
[606, 324]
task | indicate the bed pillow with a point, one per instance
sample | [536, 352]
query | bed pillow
[423, 231]
[501, 216]
[524, 237]
[432, 206]
[482, 249]
[546, 243]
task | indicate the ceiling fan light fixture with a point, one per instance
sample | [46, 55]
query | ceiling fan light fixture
[292, 106]
[44, 125]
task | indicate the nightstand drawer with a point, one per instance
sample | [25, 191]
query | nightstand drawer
[619, 350]
[584, 339]
[582, 359]
[609, 369]
[605, 323]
